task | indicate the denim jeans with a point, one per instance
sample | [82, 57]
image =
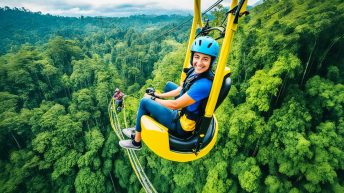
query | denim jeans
[160, 113]
[119, 103]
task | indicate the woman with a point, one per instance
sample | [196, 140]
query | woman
[191, 94]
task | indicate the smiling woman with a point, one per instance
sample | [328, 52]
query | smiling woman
[189, 96]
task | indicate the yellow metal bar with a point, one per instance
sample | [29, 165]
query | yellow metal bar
[196, 22]
[219, 73]
[244, 7]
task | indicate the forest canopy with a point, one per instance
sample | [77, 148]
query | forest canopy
[281, 127]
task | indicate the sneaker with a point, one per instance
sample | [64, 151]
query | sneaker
[129, 132]
[129, 144]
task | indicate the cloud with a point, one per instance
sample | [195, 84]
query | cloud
[127, 6]
[109, 7]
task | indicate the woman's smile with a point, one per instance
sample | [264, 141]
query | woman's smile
[201, 62]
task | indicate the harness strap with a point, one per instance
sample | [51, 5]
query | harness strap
[186, 86]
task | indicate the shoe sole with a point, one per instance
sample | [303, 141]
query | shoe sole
[132, 148]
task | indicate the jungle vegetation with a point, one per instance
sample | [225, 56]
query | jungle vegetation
[281, 127]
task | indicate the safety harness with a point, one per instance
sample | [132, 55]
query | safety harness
[189, 80]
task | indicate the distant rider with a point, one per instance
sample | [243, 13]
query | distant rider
[118, 96]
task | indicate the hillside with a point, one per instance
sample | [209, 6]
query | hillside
[281, 127]
[20, 26]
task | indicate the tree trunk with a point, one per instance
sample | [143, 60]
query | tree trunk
[113, 183]
[327, 50]
[15, 139]
[309, 59]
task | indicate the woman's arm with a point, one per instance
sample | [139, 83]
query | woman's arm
[172, 93]
[183, 101]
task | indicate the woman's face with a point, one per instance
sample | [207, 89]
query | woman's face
[201, 62]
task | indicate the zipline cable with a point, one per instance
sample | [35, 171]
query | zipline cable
[187, 20]
[212, 6]
[134, 156]
[134, 161]
[116, 127]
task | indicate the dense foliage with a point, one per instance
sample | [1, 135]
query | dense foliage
[19, 26]
[281, 127]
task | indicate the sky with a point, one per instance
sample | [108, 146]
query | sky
[111, 8]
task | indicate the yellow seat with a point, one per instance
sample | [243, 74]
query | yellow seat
[167, 146]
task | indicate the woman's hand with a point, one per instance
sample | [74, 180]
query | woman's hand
[157, 95]
[147, 95]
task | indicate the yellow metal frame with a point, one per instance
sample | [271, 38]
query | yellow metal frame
[220, 70]
[196, 23]
[156, 135]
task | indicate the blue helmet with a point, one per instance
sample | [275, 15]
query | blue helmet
[206, 45]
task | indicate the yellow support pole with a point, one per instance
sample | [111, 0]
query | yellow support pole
[225, 50]
[196, 22]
